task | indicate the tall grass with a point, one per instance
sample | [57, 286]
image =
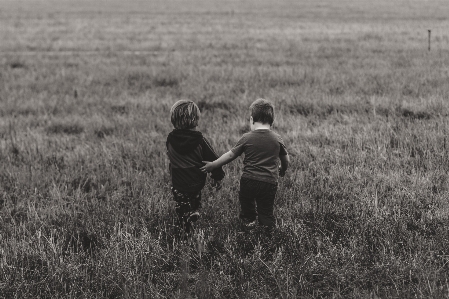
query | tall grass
[85, 206]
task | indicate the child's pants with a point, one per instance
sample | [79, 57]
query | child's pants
[257, 199]
[186, 204]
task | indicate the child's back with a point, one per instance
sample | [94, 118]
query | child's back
[262, 149]
[186, 149]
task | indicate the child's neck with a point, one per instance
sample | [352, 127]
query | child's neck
[260, 126]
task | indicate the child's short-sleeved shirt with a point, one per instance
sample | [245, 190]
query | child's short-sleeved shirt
[262, 149]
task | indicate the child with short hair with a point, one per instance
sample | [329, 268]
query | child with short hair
[186, 149]
[262, 148]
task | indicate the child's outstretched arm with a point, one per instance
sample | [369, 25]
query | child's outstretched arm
[224, 159]
[285, 160]
[210, 155]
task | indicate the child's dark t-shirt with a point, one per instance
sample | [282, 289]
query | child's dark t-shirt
[262, 149]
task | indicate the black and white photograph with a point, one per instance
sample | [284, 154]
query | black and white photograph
[201, 149]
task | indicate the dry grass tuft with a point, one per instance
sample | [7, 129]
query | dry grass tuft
[65, 128]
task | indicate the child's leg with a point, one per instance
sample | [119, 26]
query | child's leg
[265, 205]
[195, 205]
[247, 200]
[195, 200]
[186, 203]
[182, 206]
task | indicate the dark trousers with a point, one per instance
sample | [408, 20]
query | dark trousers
[186, 203]
[257, 200]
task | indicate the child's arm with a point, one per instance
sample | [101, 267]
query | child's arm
[224, 159]
[210, 155]
[285, 160]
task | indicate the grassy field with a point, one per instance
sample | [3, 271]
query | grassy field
[85, 93]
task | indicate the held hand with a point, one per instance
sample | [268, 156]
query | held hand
[281, 172]
[208, 167]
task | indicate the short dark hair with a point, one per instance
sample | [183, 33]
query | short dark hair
[262, 111]
[185, 114]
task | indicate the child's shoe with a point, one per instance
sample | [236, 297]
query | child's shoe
[251, 224]
[194, 216]
[248, 224]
